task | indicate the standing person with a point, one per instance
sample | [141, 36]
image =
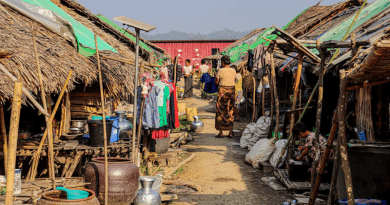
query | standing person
[225, 100]
[204, 68]
[238, 93]
[188, 73]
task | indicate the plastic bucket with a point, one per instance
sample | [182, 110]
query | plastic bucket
[96, 136]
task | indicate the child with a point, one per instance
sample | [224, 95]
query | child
[300, 131]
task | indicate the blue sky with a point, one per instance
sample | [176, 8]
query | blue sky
[204, 16]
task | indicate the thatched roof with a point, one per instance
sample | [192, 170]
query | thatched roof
[57, 58]
[316, 15]
[374, 65]
[239, 41]
[82, 11]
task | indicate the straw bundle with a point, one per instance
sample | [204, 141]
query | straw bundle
[363, 113]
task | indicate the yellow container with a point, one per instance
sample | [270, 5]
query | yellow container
[181, 107]
[191, 111]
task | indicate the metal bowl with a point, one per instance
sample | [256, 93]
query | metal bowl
[77, 123]
[76, 130]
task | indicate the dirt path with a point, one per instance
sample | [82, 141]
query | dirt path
[219, 167]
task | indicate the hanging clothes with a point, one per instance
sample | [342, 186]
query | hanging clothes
[151, 114]
[179, 73]
[173, 108]
[259, 57]
[209, 83]
[160, 134]
[250, 60]
[164, 73]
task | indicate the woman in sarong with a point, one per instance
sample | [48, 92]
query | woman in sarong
[225, 100]
[188, 73]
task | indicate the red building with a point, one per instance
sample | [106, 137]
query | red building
[194, 50]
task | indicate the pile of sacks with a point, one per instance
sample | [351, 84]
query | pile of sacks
[262, 149]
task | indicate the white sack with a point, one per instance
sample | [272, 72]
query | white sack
[260, 152]
[247, 135]
[279, 145]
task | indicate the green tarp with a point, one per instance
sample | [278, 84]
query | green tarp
[239, 51]
[84, 37]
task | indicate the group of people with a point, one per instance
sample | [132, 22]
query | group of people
[229, 81]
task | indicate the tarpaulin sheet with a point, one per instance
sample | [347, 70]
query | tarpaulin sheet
[338, 32]
[240, 50]
[84, 37]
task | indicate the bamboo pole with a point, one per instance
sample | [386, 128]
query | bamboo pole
[254, 99]
[296, 89]
[145, 149]
[104, 125]
[13, 141]
[35, 158]
[4, 137]
[272, 103]
[43, 97]
[336, 165]
[318, 117]
[325, 158]
[263, 98]
[273, 76]
[25, 91]
[343, 139]
[349, 29]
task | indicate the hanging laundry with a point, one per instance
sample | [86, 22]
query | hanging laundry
[259, 57]
[250, 60]
[160, 134]
[151, 114]
[179, 73]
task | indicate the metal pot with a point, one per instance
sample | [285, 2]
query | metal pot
[242, 101]
[146, 196]
[77, 123]
[124, 125]
[196, 125]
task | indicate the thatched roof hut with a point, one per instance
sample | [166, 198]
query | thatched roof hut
[241, 40]
[57, 58]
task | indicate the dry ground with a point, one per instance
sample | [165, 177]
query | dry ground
[219, 167]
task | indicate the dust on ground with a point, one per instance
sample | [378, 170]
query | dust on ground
[219, 166]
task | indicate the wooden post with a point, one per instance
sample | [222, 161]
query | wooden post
[50, 155]
[139, 128]
[325, 158]
[263, 98]
[296, 89]
[343, 139]
[4, 137]
[35, 158]
[13, 141]
[254, 100]
[273, 76]
[104, 125]
[271, 86]
[333, 183]
[318, 117]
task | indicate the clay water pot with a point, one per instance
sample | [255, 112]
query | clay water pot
[123, 180]
[56, 197]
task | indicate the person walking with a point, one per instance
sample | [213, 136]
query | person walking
[225, 77]
[188, 73]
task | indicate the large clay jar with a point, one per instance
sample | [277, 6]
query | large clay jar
[57, 197]
[123, 180]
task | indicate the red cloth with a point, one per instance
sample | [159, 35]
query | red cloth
[160, 134]
[177, 123]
